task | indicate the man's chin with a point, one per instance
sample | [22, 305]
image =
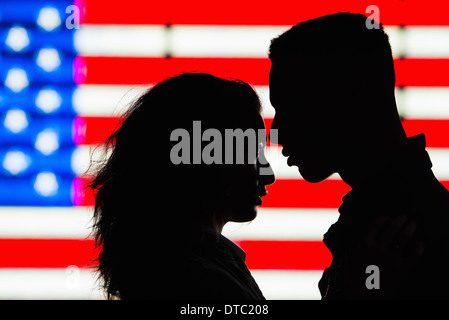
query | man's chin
[314, 177]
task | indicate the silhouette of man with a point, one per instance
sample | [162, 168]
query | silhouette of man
[332, 83]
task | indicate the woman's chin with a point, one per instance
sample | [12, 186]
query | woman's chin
[246, 214]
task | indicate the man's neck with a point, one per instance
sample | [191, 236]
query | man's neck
[366, 164]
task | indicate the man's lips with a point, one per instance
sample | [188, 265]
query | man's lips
[285, 152]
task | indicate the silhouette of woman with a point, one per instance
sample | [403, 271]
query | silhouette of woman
[158, 223]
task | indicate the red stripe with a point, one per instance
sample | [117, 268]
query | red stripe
[148, 70]
[46, 253]
[298, 193]
[257, 12]
[422, 72]
[82, 196]
[436, 131]
[93, 130]
[123, 70]
[286, 255]
[60, 253]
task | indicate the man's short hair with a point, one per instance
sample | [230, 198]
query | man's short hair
[338, 42]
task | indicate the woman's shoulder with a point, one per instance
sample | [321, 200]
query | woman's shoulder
[209, 280]
[218, 277]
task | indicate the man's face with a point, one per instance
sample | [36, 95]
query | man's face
[303, 120]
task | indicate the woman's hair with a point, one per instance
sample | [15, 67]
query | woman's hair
[148, 211]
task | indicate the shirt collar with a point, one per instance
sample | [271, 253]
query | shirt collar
[407, 162]
[228, 243]
[235, 248]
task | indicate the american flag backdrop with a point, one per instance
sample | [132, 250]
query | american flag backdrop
[64, 87]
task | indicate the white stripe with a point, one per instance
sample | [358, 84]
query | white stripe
[280, 167]
[440, 159]
[76, 222]
[423, 103]
[231, 41]
[284, 224]
[194, 41]
[107, 100]
[86, 159]
[45, 222]
[103, 100]
[223, 41]
[440, 162]
[112, 40]
[288, 285]
[42, 284]
[419, 42]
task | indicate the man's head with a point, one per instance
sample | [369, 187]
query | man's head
[332, 82]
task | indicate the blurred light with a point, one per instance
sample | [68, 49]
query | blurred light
[39, 284]
[288, 284]
[48, 18]
[15, 120]
[95, 40]
[16, 162]
[45, 222]
[46, 184]
[47, 141]
[48, 100]
[17, 38]
[105, 100]
[16, 79]
[423, 102]
[48, 59]
[219, 41]
[310, 225]
[429, 42]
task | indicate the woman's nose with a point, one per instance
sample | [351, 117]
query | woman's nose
[266, 175]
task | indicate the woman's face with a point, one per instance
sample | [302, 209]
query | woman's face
[246, 182]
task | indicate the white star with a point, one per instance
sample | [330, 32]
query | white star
[48, 100]
[48, 18]
[16, 162]
[16, 79]
[48, 59]
[47, 141]
[46, 184]
[15, 120]
[17, 38]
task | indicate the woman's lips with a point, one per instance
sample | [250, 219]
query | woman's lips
[259, 195]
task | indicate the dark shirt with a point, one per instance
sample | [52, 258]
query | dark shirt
[406, 186]
[214, 269]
